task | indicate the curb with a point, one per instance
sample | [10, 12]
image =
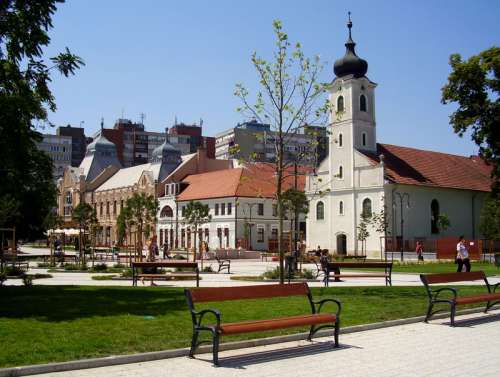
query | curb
[167, 354]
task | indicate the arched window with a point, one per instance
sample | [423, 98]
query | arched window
[363, 136]
[434, 216]
[362, 103]
[340, 104]
[320, 211]
[341, 172]
[341, 207]
[340, 140]
[166, 212]
[69, 198]
[367, 208]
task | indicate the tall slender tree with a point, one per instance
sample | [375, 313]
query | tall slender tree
[290, 99]
[197, 214]
[85, 216]
[141, 210]
[25, 101]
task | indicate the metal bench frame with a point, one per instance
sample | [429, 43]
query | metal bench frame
[224, 264]
[453, 277]
[249, 292]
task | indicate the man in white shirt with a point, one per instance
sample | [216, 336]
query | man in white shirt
[462, 255]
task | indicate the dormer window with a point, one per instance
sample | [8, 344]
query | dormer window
[340, 140]
[363, 136]
[362, 103]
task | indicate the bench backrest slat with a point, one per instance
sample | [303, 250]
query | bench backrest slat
[452, 277]
[248, 292]
[166, 264]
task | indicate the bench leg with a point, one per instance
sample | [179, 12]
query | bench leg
[429, 311]
[336, 334]
[452, 315]
[215, 350]
[194, 344]
[311, 332]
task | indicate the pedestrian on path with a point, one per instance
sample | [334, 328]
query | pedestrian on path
[419, 249]
[462, 255]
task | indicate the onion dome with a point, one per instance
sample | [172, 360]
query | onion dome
[350, 64]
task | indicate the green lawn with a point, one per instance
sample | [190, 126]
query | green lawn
[57, 323]
[437, 267]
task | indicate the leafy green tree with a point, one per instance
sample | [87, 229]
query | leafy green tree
[52, 221]
[363, 232]
[295, 202]
[474, 85]
[86, 218]
[140, 211]
[25, 100]
[443, 222]
[290, 99]
[489, 223]
[197, 214]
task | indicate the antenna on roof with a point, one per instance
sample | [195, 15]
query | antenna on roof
[201, 122]
[142, 116]
[102, 123]
[175, 121]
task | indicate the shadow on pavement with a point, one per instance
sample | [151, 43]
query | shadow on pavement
[471, 322]
[241, 361]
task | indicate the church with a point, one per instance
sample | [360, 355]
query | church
[367, 197]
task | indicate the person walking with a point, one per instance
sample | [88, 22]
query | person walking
[462, 255]
[419, 249]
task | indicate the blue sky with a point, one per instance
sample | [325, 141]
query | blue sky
[167, 59]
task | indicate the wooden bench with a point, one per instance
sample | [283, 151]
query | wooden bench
[336, 268]
[165, 264]
[224, 264]
[491, 297]
[315, 319]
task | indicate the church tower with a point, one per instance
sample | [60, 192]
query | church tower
[352, 119]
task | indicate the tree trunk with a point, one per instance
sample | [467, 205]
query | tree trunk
[140, 241]
[194, 248]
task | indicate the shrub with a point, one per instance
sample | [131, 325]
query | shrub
[43, 264]
[307, 274]
[75, 267]
[179, 256]
[119, 265]
[13, 271]
[3, 278]
[100, 267]
[207, 269]
[271, 274]
[127, 273]
[41, 276]
[103, 277]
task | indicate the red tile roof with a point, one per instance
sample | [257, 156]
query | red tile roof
[412, 166]
[253, 180]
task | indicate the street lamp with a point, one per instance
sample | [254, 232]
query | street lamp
[402, 197]
[250, 206]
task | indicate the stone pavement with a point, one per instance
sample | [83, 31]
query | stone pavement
[435, 349]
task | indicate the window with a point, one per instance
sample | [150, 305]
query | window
[364, 139]
[367, 207]
[275, 210]
[167, 189]
[114, 207]
[183, 211]
[341, 207]
[166, 212]
[340, 140]
[320, 211]
[100, 212]
[216, 209]
[223, 209]
[107, 208]
[229, 208]
[274, 233]
[121, 205]
[260, 234]
[260, 210]
[340, 104]
[362, 103]
[69, 199]
[341, 172]
[434, 216]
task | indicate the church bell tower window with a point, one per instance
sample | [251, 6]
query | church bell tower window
[340, 104]
[362, 103]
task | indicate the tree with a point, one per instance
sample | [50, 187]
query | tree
[52, 221]
[197, 214]
[25, 100]
[443, 222]
[85, 216]
[474, 85]
[140, 211]
[489, 223]
[295, 202]
[363, 232]
[289, 100]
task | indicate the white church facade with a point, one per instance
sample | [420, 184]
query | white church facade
[362, 178]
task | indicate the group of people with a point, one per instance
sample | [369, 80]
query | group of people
[461, 258]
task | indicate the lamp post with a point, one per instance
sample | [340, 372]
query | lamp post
[402, 197]
[250, 206]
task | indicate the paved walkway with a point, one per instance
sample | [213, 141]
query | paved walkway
[435, 349]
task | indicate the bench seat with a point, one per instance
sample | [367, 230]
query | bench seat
[374, 275]
[276, 323]
[479, 298]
